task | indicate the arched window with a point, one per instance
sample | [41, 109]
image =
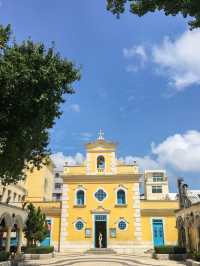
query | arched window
[121, 197]
[100, 162]
[80, 197]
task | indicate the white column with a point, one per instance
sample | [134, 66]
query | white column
[64, 216]
[19, 243]
[137, 211]
[8, 236]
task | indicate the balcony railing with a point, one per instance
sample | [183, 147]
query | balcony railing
[100, 170]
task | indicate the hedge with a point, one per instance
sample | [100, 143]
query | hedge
[38, 250]
[170, 250]
[4, 255]
[195, 256]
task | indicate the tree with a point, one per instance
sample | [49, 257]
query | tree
[36, 228]
[33, 82]
[170, 7]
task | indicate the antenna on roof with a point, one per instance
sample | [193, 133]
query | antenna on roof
[101, 135]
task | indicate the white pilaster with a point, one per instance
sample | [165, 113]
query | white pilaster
[137, 211]
[64, 216]
[88, 164]
[113, 163]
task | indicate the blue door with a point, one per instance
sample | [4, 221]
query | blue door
[158, 234]
[46, 242]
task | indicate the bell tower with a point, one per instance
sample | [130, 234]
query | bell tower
[101, 156]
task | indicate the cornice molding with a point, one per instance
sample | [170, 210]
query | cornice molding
[73, 179]
[159, 212]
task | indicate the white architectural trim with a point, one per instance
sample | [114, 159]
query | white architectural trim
[64, 215]
[113, 164]
[87, 164]
[137, 214]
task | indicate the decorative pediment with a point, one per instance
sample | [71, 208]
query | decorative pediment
[100, 209]
[100, 145]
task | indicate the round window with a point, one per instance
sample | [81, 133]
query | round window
[100, 195]
[122, 225]
[79, 225]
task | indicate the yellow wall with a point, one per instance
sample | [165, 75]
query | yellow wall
[159, 205]
[56, 229]
[108, 204]
[159, 210]
[115, 174]
[39, 183]
[169, 224]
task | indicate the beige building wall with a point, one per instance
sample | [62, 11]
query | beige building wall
[155, 185]
[39, 183]
[13, 194]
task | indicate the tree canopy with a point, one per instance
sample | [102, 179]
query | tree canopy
[170, 7]
[36, 228]
[33, 82]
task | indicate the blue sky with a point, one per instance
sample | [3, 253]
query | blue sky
[140, 81]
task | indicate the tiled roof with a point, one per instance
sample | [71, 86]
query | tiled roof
[193, 196]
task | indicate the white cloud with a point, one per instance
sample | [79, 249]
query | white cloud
[132, 68]
[60, 159]
[139, 55]
[181, 152]
[180, 59]
[86, 136]
[145, 162]
[135, 51]
[177, 153]
[75, 108]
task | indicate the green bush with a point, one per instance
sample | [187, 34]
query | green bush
[169, 250]
[38, 250]
[195, 256]
[4, 255]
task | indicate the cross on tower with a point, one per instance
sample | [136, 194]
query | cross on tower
[101, 135]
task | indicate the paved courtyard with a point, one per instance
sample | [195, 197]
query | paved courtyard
[104, 260]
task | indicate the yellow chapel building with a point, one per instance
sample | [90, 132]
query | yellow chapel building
[102, 206]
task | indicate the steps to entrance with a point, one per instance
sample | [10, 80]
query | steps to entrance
[100, 251]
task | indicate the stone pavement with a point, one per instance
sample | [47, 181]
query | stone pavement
[104, 260]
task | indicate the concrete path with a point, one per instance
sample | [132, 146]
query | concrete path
[103, 260]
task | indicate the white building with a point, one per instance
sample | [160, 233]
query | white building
[57, 186]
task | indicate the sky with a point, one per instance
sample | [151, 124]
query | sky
[140, 82]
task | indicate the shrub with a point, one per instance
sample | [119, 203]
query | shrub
[170, 250]
[38, 250]
[4, 255]
[195, 256]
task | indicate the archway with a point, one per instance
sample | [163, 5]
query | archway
[5, 231]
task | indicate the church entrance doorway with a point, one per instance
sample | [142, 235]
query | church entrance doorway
[100, 236]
